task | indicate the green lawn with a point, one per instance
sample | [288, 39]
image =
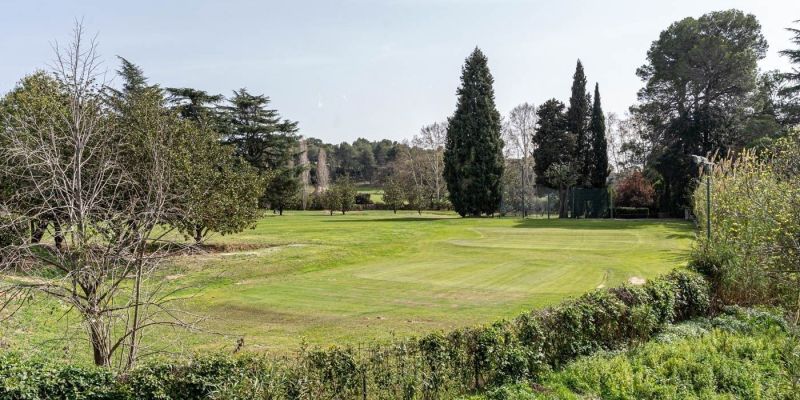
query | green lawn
[375, 193]
[308, 276]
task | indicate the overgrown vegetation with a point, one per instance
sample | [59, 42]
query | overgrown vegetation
[742, 354]
[753, 253]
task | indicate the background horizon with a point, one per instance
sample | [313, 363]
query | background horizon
[358, 69]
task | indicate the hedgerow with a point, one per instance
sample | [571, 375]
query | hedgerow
[437, 365]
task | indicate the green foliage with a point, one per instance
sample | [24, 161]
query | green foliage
[36, 98]
[739, 354]
[283, 188]
[196, 105]
[700, 78]
[434, 366]
[577, 119]
[33, 379]
[562, 175]
[753, 252]
[217, 191]
[552, 143]
[794, 76]
[631, 212]
[599, 152]
[344, 193]
[267, 142]
[393, 195]
[473, 155]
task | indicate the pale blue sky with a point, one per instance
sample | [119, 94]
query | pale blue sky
[374, 69]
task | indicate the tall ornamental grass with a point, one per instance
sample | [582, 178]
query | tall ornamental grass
[753, 255]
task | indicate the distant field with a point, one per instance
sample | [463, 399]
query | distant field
[308, 276]
[376, 193]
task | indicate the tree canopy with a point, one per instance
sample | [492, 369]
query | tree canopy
[699, 78]
[473, 156]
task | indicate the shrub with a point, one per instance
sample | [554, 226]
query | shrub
[12, 231]
[363, 198]
[42, 379]
[631, 212]
[635, 191]
[698, 361]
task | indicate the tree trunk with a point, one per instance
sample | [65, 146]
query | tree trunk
[280, 211]
[134, 347]
[198, 234]
[562, 203]
[37, 230]
[58, 236]
[98, 338]
[524, 214]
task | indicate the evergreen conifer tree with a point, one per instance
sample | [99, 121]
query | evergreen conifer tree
[597, 127]
[551, 142]
[473, 157]
[577, 121]
[267, 142]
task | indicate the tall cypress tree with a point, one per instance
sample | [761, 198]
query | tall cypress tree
[597, 127]
[473, 156]
[577, 121]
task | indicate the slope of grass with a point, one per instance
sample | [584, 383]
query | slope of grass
[324, 279]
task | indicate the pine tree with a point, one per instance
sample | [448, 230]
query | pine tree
[473, 157]
[793, 77]
[195, 105]
[577, 121]
[267, 142]
[597, 127]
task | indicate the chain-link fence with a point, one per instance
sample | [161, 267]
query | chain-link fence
[590, 203]
[542, 201]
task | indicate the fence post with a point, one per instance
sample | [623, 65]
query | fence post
[364, 384]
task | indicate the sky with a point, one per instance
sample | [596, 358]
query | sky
[369, 68]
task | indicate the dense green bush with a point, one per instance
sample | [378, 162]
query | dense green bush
[741, 354]
[631, 212]
[364, 198]
[435, 366]
[22, 379]
[11, 230]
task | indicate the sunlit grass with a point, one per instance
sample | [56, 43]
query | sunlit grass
[308, 276]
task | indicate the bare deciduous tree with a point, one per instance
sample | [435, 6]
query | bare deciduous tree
[519, 128]
[323, 173]
[432, 138]
[70, 161]
[304, 174]
[629, 142]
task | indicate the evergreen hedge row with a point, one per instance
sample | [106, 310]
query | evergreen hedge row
[438, 365]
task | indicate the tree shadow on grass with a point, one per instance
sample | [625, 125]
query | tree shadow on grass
[605, 224]
[401, 219]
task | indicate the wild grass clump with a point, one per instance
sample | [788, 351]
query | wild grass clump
[744, 354]
[754, 249]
